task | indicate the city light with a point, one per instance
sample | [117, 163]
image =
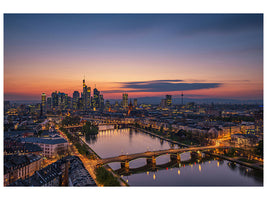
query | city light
[78, 114]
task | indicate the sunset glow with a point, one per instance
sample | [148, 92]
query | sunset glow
[212, 56]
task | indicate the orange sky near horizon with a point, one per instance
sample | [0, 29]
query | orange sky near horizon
[46, 53]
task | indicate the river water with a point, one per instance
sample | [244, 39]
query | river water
[208, 171]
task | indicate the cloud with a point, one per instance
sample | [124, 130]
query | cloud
[162, 86]
[153, 81]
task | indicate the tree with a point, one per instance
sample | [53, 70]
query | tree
[259, 149]
[150, 128]
[68, 120]
[89, 129]
[161, 129]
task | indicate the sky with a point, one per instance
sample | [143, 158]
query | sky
[145, 55]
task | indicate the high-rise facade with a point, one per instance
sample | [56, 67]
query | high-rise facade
[75, 100]
[86, 96]
[54, 96]
[49, 104]
[168, 100]
[60, 101]
[43, 105]
[125, 100]
[96, 99]
[101, 102]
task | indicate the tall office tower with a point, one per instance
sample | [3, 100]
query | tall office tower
[125, 100]
[168, 100]
[135, 103]
[96, 100]
[182, 97]
[65, 101]
[101, 101]
[54, 96]
[69, 102]
[88, 98]
[61, 100]
[84, 95]
[75, 100]
[80, 104]
[49, 103]
[43, 106]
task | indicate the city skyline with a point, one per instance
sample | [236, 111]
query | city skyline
[215, 56]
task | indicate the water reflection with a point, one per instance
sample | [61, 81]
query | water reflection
[136, 167]
[130, 135]
[205, 171]
[181, 169]
[91, 139]
[110, 143]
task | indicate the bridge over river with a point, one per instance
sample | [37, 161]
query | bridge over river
[103, 125]
[151, 155]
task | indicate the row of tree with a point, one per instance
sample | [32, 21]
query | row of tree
[105, 177]
[71, 120]
[82, 148]
[89, 129]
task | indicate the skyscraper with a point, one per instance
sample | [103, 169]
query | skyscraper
[49, 103]
[54, 96]
[96, 99]
[168, 100]
[84, 96]
[101, 102]
[88, 98]
[125, 100]
[75, 100]
[43, 105]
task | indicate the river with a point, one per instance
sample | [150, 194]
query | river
[208, 171]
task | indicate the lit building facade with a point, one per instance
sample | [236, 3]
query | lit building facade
[43, 106]
[125, 100]
[75, 100]
[168, 100]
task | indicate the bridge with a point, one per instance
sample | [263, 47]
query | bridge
[99, 123]
[151, 155]
[171, 164]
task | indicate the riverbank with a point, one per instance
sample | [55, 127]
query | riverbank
[162, 137]
[109, 169]
[251, 165]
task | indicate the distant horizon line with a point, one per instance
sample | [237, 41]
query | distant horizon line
[175, 100]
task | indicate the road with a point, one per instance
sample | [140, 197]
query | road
[89, 164]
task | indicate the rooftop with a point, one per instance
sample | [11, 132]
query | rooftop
[44, 140]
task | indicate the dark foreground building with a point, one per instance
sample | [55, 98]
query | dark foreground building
[68, 171]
